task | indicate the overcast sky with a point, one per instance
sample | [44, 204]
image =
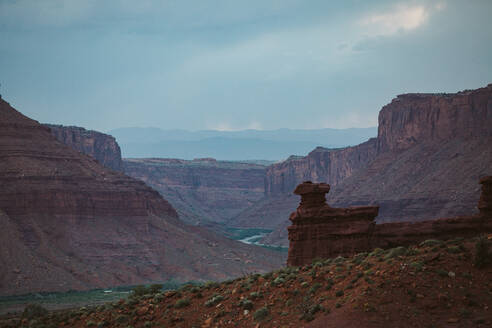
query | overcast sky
[233, 65]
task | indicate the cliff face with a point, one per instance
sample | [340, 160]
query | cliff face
[410, 119]
[320, 165]
[202, 190]
[69, 223]
[100, 146]
[414, 118]
[430, 151]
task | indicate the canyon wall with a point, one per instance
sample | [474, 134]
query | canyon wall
[321, 231]
[70, 223]
[427, 145]
[100, 146]
[409, 119]
[319, 165]
[204, 190]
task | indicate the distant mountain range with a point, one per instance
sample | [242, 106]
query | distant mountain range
[233, 145]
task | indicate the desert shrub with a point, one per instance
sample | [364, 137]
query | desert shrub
[453, 249]
[155, 288]
[121, 318]
[278, 281]
[261, 313]
[304, 284]
[417, 265]
[211, 284]
[255, 295]
[103, 324]
[430, 242]
[90, 323]
[32, 311]
[158, 298]
[339, 293]
[181, 303]
[442, 273]
[376, 252]
[214, 300]
[246, 304]
[268, 275]
[139, 291]
[394, 252]
[483, 254]
[314, 288]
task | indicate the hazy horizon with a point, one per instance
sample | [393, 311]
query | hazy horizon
[231, 66]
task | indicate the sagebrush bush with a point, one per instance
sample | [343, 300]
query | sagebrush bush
[214, 300]
[32, 311]
[181, 303]
[261, 313]
[483, 253]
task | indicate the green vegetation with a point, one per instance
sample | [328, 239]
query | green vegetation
[181, 303]
[261, 313]
[483, 253]
[33, 311]
[214, 300]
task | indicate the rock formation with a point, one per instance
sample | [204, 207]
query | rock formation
[485, 203]
[427, 145]
[203, 191]
[319, 165]
[100, 146]
[410, 119]
[70, 223]
[320, 231]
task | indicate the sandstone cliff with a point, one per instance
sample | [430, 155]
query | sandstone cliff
[202, 190]
[69, 223]
[102, 147]
[430, 151]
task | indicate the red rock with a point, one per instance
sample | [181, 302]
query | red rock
[430, 151]
[201, 190]
[70, 223]
[100, 146]
[321, 231]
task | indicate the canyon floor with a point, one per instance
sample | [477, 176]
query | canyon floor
[434, 284]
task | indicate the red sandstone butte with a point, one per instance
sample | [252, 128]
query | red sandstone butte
[320, 231]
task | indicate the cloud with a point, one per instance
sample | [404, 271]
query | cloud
[401, 18]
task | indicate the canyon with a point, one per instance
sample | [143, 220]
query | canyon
[70, 223]
[430, 151]
[203, 191]
[424, 163]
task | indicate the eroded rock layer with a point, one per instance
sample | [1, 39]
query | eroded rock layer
[204, 190]
[430, 152]
[321, 231]
[102, 147]
[70, 223]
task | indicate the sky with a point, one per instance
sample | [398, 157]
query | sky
[233, 65]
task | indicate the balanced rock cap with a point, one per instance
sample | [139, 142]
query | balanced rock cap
[307, 187]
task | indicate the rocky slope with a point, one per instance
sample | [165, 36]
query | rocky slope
[430, 152]
[202, 190]
[102, 147]
[69, 223]
[434, 284]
